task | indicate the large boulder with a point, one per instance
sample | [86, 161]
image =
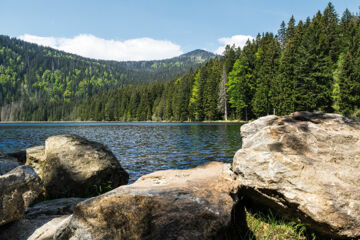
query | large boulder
[18, 189]
[306, 166]
[172, 204]
[40, 221]
[72, 166]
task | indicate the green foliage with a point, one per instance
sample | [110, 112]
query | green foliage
[102, 188]
[266, 65]
[29, 72]
[349, 84]
[240, 87]
[312, 65]
[336, 87]
[270, 226]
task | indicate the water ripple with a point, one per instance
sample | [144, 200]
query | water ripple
[140, 147]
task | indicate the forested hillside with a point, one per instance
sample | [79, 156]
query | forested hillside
[311, 64]
[31, 73]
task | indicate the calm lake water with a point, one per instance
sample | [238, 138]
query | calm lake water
[140, 147]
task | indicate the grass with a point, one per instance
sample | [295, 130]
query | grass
[103, 188]
[267, 226]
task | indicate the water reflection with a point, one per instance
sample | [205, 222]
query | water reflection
[140, 147]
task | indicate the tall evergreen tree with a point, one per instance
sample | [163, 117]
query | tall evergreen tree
[331, 29]
[283, 98]
[241, 85]
[281, 36]
[349, 86]
[267, 61]
[196, 99]
[321, 64]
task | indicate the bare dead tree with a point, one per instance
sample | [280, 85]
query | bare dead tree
[222, 101]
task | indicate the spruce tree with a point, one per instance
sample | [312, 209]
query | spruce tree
[195, 104]
[281, 36]
[283, 98]
[267, 63]
[241, 85]
[349, 86]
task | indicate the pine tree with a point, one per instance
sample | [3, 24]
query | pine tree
[321, 64]
[281, 36]
[303, 84]
[346, 30]
[211, 89]
[330, 24]
[241, 83]
[267, 64]
[283, 97]
[196, 99]
[349, 86]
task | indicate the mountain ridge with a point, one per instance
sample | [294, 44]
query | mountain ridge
[197, 56]
[32, 72]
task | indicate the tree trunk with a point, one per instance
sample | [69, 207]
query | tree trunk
[225, 110]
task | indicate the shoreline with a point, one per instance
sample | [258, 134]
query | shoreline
[215, 121]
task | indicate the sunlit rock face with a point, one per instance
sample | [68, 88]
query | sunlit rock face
[72, 166]
[305, 165]
[172, 204]
[18, 189]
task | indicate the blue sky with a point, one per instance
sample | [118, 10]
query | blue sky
[146, 29]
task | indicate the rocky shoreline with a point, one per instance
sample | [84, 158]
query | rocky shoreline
[305, 167]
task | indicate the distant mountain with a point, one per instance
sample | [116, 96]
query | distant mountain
[198, 55]
[184, 61]
[29, 72]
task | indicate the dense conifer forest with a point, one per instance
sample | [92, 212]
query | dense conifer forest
[36, 75]
[311, 64]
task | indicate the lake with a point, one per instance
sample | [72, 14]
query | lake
[140, 147]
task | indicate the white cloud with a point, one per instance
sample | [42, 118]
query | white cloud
[88, 45]
[238, 40]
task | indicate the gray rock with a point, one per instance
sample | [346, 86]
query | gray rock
[60, 206]
[172, 204]
[72, 166]
[18, 189]
[306, 166]
[40, 221]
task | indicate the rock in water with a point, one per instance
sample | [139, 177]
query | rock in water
[72, 166]
[307, 166]
[18, 189]
[172, 204]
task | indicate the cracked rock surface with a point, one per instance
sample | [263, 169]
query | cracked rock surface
[306, 166]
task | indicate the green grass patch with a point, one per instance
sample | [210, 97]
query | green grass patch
[268, 226]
